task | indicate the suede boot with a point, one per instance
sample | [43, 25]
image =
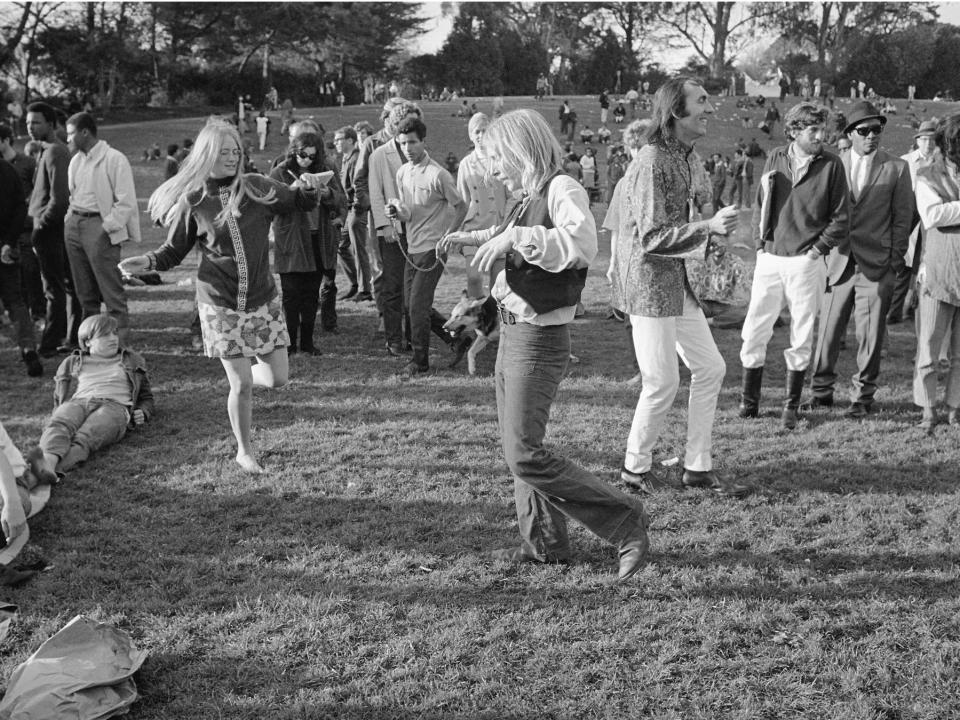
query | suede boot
[750, 392]
[795, 380]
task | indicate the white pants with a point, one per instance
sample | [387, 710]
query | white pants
[658, 341]
[263, 140]
[801, 281]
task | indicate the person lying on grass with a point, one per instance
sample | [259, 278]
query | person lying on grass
[16, 482]
[100, 391]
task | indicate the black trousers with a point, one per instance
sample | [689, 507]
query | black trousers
[63, 308]
[300, 301]
[13, 302]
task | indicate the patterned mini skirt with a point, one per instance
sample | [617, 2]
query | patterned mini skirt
[242, 333]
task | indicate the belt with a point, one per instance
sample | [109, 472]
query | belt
[84, 213]
[505, 315]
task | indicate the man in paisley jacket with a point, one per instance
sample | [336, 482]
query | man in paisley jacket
[662, 191]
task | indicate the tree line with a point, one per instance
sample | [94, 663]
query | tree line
[165, 53]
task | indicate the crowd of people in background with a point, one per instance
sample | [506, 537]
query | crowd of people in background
[373, 204]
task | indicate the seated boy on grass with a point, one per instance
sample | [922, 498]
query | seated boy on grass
[100, 391]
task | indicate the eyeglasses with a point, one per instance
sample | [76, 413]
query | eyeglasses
[870, 130]
[306, 155]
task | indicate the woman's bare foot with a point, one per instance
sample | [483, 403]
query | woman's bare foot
[249, 464]
[40, 467]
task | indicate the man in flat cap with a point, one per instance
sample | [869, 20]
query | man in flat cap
[862, 270]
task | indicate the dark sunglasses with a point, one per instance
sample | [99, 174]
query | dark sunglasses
[306, 155]
[870, 130]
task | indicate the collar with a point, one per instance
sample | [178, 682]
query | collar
[424, 161]
[96, 152]
[869, 158]
[211, 186]
[800, 156]
[675, 145]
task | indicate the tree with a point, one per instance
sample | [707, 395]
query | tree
[717, 32]
[13, 28]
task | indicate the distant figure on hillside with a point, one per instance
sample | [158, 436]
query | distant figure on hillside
[172, 165]
[263, 127]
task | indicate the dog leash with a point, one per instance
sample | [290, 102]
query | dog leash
[436, 261]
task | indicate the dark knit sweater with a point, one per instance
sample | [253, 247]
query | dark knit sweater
[234, 270]
[790, 218]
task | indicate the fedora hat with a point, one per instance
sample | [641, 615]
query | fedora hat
[863, 110]
[928, 128]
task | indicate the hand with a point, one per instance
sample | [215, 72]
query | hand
[13, 521]
[138, 417]
[6, 255]
[390, 235]
[492, 249]
[307, 181]
[457, 238]
[724, 221]
[813, 254]
[717, 249]
[134, 265]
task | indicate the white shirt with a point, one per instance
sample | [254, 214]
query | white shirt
[859, 171]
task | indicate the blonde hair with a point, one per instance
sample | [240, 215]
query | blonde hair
[477, 121]
[634, 134]
[526, 148]
[170, 199]
[93, 327]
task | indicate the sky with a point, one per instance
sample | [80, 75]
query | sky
[432, 41]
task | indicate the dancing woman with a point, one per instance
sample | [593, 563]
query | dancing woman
[548, 240]
[226, 213]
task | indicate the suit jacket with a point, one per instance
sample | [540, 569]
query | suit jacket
[358, 198]
[880, 221]
[384, 163]
[51, 196]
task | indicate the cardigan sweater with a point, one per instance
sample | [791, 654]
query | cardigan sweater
[234, 270]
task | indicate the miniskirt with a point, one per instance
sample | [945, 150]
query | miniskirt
[242, 333]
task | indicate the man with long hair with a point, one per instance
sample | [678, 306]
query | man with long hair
[801, 215]
[658, 229]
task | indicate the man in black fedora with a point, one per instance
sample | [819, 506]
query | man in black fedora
[862, 270]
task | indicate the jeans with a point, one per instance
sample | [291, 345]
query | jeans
[61, 321]
[79, 427]
[13, 302]
[388, 289]
[657, 341]
[418, 289]
[300, 292]
[531, 361]
[93, 264]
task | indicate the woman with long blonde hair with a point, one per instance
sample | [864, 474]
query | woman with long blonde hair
[548, 241]
[212, 204]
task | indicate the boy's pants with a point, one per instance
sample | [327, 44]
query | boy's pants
[79, 427]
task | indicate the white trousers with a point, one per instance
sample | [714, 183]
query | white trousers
[658, 341]
[800, 281]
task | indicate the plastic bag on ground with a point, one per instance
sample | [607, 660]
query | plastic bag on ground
[83, 672]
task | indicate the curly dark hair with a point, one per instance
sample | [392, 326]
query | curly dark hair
[947, 137]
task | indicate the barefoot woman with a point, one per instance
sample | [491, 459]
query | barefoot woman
[226, 213]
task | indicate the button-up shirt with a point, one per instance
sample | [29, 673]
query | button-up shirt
[429, 193]
[83, 194]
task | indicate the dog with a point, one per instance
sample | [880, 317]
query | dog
[477, 315]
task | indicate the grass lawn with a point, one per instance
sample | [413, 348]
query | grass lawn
[352, 580]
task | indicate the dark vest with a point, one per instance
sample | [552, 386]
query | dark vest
[543, 290]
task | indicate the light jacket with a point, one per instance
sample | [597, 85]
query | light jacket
[67, 379]
[116, 195]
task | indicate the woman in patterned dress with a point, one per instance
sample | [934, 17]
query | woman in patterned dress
[210, 203]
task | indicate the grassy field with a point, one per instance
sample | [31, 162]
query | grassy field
[352, 580]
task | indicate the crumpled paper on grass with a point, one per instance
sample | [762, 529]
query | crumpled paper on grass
[84, 672]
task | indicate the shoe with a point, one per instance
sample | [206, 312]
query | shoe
[646, 482]
[332, 330]
[517, 555]
[363, 297]
[894, 320]
[752, 380]
[458, 348]
[348, 294]
[857, 411]
[395, 349]
[291, 351]
[953, 416]
[580, 311]
[411, 369]
[313, 352]
[709, 479]
[616, 315]
[819, 402]
[32, 361]
[47, 353]
[633, 556]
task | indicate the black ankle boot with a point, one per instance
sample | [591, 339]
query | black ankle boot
[750, 392]
[795, 380]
